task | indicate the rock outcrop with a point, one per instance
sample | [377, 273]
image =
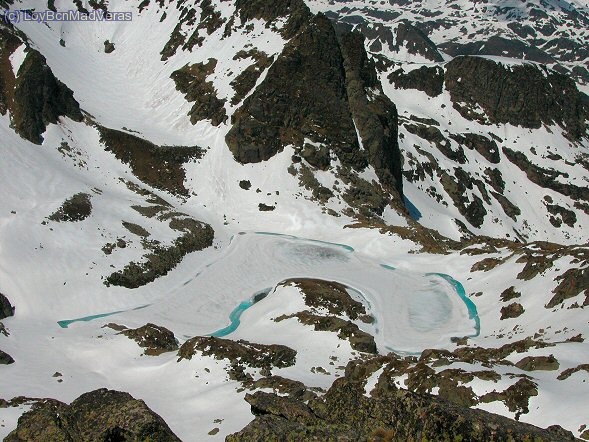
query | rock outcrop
[296, 12]
[6, 308]
[416, 42]
[196, 236]
[8, 43]
[192, 81]
[153, 338]
[427, 79]
[239, 352]
[101, 415]
[158, 166]
[312, 105]
[374, 114]
[5, 358]
[40, 99]
[389, 413]
[74, 209]
[523, 95]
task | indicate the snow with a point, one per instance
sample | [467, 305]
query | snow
[55, 271]
[17, 58]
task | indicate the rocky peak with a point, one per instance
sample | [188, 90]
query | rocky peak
[312, 105]
[40, 99]
[333, 91]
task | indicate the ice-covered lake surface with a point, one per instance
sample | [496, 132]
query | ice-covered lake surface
[412, 310]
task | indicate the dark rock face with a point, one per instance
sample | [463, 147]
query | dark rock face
[572, 283]
[333, 297]
[296, 11]
[509, 294]
[359, 340]
[8, 43]
[40, 99]
[246, 81]
[109, 47]
[427, 79]
[191, 81]
[373, 112]
[101, 415]
[513, 310]
[561, 215]
[524, 95]
[282, 385]
[6, 309]
[266, 208]
[547, 178]
[500, 46]
[74, 209]
[332, 89]
[154, 339]
[570, 371]
[239, 352]
[436, 137]
[532, 363]
[474, 211]
[158, 166]
[416, 42]
[486, 147]
[210, 21]
[329, 295]
[312, 104]
[345, 413]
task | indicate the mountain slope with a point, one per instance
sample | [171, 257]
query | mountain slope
[219, 180]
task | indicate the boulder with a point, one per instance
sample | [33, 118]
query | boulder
[154, 339]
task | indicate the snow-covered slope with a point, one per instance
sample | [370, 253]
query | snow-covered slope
[170, 169]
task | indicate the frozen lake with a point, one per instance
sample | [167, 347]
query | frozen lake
[413, 310]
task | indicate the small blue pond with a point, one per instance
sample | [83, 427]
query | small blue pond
[414, 212]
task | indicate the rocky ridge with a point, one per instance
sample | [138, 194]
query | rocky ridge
[387, 413]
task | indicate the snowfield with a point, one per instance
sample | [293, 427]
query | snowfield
[56, 271]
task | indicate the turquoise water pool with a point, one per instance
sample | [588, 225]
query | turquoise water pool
[471, 306]
[66, 323]
[235, 315]
[388, 267]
